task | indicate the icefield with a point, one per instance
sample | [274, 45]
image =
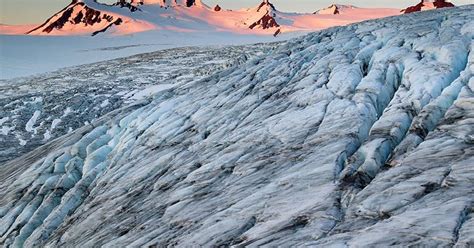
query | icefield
[40, 108]
[23, 56]
[356, 136]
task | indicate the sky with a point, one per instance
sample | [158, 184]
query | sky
[37, 11]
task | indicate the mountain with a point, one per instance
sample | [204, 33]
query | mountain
[83, 17]
[428, 5]
[263, 17]
[334, 9]
[354, 136]
[89, 17]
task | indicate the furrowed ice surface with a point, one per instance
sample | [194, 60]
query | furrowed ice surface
[40, 108]
[352, 136]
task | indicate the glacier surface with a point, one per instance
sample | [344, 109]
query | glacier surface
[40, 108]
[357, 136]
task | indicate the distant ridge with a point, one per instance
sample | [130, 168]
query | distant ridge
[428, 5]
[89, 17]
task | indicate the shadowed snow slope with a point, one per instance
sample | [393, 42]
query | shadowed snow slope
[353, 136]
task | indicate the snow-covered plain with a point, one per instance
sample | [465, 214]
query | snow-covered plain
[357, 136]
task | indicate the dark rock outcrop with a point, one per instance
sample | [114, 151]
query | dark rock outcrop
[124, 4]
[437, 4]
[268, 19]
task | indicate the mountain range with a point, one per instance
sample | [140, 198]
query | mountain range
[89, 17]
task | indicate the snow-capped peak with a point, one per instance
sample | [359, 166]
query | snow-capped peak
[131, 16]
[334, 9]
[76, 14]
[83, 17]
[263, 17]
[428, 5]
[266, 5]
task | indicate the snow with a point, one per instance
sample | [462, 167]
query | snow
[3, 120]
[37, 99]
[104, 103]
[274, 151]
[335, 9]
[16, 29]
[6, 130]
[55, 123]
[67, 111]
[47, 135]
[22, 142]
[159, 17]
[32, 122]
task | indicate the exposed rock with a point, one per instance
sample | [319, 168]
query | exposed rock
[266, 16]
[428, 5]
[170, 3]
[124, 4]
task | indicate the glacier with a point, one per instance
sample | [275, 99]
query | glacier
[356, 136]
[73, 97]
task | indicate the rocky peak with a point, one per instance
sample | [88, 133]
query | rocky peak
[428, 5]
[125, 4]
[265, 17]
[266, 5]
[78, 13]
[333, 9]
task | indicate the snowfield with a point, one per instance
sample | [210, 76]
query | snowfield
[357, 136]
